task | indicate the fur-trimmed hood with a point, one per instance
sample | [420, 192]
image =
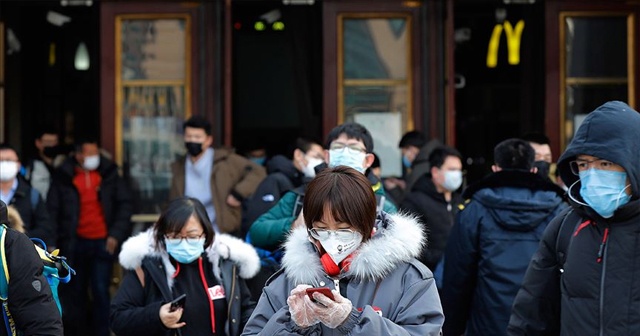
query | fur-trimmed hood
[398, 238]
[136, 248]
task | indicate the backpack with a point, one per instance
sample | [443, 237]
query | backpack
[565, 233]
[51, 265]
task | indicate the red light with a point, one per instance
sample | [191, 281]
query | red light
[237, 25]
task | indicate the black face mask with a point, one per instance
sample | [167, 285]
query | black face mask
[193, 148]
[543, 168]
[51, 151]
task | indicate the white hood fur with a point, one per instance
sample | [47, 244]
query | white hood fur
[224, 246]
[399, 238]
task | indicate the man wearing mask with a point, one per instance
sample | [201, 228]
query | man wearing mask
[349, 144]
[583, 278]
[14, 191]
[39, 171]
[92, 205]
[410, 145]
[218, 178]
[543, 160]
[435, 199]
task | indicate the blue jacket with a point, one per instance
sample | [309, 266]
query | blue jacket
[490, 246]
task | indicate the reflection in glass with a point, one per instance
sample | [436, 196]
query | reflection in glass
[375, 48]
[153, 49]
[375, 99]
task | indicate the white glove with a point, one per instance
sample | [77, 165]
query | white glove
[301, 307]
[331, 313]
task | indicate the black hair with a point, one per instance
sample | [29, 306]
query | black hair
[538, 138]
[304, 143]
[5, 146]
[439, 154]
[80, 142]
[514, 154]
[353, 131]
[175, 216]
[376, 161]
[198, 121]
[413, 138]
[45, 129]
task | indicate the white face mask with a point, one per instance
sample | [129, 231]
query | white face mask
[91, 162]
[338, 250]
[309, 169]
[452, 180]
[8, 170]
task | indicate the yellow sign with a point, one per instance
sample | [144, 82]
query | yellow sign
[513, 43]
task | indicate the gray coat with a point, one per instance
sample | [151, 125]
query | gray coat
[384, 274]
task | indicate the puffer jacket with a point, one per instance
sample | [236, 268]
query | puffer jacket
[490, 246]
[596, 292]
[383, 274]
[135, 308]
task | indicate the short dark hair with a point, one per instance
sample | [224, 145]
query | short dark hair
[514, 154]
[440, 154]
[175, 216]
[304, 143]
[7, 146]
[538, 138]
[353, 131]
[45, 129]
[376, 161]
[348, 195]
[413, 138]
[198, 121]
[83, 141]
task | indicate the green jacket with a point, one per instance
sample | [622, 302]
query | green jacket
[271, 229]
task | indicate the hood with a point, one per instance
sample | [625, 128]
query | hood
[516, 200]
[610, 132]
[399, 238]
[281, 164]
[142, 245]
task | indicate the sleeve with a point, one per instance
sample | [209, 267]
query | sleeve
[30, 299]
[44, 226]
[410, 206]
[460, 270]
[64, 220]
[251, 177]
[271, 229]
[536, 308]
[129, 315]
[420, 314]
[258, 204]
[123, 208]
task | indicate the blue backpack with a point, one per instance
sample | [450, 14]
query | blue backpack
[51, 264]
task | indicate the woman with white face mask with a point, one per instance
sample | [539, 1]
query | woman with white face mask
[181, 254]
[366, 262]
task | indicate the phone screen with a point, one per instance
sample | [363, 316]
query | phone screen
[178, 302]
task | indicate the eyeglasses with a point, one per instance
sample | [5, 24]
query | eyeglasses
[191, 238]
[353, 149]
[578, 166]
[344, 235]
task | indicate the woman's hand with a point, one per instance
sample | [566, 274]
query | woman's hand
[170, 318]
[332, 313]
[300, 307]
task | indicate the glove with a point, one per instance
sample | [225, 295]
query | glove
[331, 313]
[301, 307]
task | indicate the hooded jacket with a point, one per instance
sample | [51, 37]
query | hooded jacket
[135, 308]
[596, 289]
[383, 276]
[490, 246]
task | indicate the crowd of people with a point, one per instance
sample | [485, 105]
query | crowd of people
[317, 242]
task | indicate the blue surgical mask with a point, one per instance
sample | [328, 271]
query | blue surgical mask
[347, 157]
[258, 160]
[604, 190]
[452, 180]
[184, 251]
[405, 162]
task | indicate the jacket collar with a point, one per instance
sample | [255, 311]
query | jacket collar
[516, 179]
[398, 238]
[138, 247]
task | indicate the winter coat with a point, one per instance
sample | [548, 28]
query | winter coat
[490, 246]
[37, 221]
[231, 174]
[595, 292]
[135, 308]
[383, 274]
[437, 215]
[63, 203]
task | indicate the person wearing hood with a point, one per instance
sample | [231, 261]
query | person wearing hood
[181, 254]
[346, 245]
[590, 288]
[493, 239]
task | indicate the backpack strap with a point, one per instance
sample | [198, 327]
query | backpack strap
[34, 197]
[297, 206]
[563, 239]
[9, 323]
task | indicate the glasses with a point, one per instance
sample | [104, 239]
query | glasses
[344, 235]
[578, 166]
[191, 238]
[353, 149]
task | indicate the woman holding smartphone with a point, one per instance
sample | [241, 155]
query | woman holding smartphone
[367, 260]
[182, 255]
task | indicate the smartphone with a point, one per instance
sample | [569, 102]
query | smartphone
[326, 291]
[178, 302]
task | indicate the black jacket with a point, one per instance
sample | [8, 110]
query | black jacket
[64, 203]
[30, 300]
[437, 215]
[592, 295]
[37, 222]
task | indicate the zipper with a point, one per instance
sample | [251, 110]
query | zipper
[336, 284]
[602, 253]
[233, 290]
